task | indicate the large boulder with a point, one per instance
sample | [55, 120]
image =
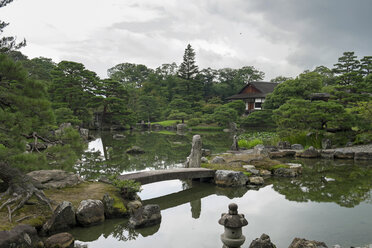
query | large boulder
[21, 236]
[218, 160]
[344, 154]
[114, 208]
[134, 206]
[294, 170]
[135, 150]
[90, 212]
[60, 240]
[303, 243]
[262, 242]
[148, 215]
[265, 150]
[55, 178]
[282, 154]
[297, 147]
[194, 159]
[256, 180]
[62, 219]
[311, 152]
[230, 178]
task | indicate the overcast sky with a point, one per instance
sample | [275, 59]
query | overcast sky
[279, 37]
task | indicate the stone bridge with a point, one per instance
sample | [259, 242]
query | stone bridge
[146, 177]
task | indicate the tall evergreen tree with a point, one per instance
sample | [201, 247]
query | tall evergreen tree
[348, 69]
[188, 69]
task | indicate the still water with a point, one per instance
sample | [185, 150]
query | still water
[331, 202]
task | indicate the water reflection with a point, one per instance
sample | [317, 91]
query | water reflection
[330, 202]
[346, 183]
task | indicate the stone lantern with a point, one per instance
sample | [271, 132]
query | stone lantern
[233, 223]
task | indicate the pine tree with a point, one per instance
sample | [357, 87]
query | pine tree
[25, 112]
[348, 68]
[8, 43]
[188, 69]
[366, 65]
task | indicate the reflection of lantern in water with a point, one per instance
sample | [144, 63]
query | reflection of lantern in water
[233, 223]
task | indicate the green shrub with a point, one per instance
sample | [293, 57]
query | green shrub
[363, 138]
[305, 138]
[249, 143]
[267, 138]
[260, 118]
[128, 188]
[193, 122]
[238, 105]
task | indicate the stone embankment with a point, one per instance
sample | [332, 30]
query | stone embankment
[361, 152]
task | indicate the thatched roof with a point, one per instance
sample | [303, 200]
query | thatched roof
[264, 88]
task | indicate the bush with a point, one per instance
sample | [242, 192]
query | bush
[249, 144]
[128, 188]
[260, 118]
[224, 115]
[305, 138]
[363, 138]
[193, 122]
[238, 105]
[66, 115]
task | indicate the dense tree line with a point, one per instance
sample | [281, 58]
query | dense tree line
[134, 92]
[346, 108]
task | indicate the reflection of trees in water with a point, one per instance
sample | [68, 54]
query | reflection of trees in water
[162, 151]
[343, 182]
[123, 233]
[117, 228]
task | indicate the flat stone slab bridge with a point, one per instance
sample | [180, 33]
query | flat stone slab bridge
[146, 177]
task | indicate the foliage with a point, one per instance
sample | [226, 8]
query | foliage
[188, 69]
[306, 139]
[238, 105]
[193, 122]
[300, 88]
[224, 115]
[24, 107]
[167, 123]
[175, 114]
[267, 138]
[298, 114]
[262, 118]
[74, 87]
[249, 143]
[128, 188]
[363, 138]
[130, 75]
[66, 115]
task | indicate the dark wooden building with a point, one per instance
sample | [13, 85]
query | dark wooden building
[254, 94]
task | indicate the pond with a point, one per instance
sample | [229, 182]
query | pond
[330, 202]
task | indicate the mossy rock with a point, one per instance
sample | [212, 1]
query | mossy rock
[37, 213]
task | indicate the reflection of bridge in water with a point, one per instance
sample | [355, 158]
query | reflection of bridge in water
[146, 177]
[194, 195]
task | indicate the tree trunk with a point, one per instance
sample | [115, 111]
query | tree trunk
[20, 189]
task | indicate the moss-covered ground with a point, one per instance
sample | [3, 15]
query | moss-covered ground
[36, 213]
